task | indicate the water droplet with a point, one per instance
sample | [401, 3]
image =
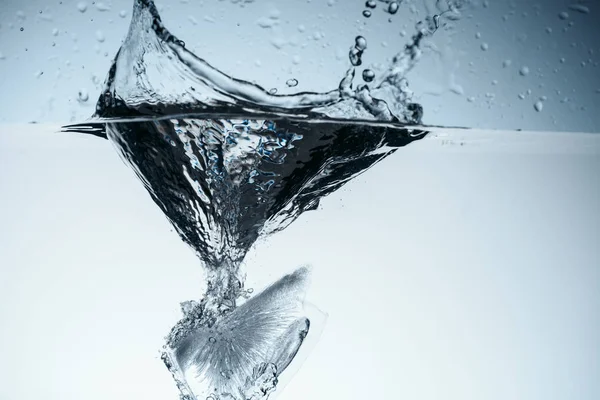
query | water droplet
[100, 6]
[371, 4]
[521, 96]
[580, 8]
[538, 106]
[55, 32]
[368, 75]
[471, 99]
[360, 43]
[478, 35]
[123, 13]
[82, 6]
[548, 30]
[355, 57]
[484, 46]
[506, 63]
[100, 36]
[292, 82]
[273, 90]
[83, 95]
[21, 29]
[296, 59]
[524, 71]
[212, 339]
[366, 14]
[563, 15]
[393, 7]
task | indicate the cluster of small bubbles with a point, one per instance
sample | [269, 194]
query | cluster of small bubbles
[524, 71]
[82, 6]
[368, 75]
[292, 82]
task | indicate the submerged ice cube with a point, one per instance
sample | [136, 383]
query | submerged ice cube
[239, 355]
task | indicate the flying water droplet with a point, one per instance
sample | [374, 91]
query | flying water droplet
[393, 7]
[368, 75]
[123, 13]
[292, 82]
[484, 46]
[100, 36]
[55, 32]
[100, 6]
[360, 43]
[580, 8]
[563, 15]
[506, 63]
[82, 6]
[83, 96]
[367, 14]
[538, 106]
[524, 71]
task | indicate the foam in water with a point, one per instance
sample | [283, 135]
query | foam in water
[228, 162]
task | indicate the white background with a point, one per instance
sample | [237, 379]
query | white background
[448, 271]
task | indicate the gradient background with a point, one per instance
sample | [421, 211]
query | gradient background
[457, 82]
[466, 266]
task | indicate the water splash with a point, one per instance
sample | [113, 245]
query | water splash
[228, 162]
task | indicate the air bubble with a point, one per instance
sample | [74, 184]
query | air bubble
[292, 82]
[368, 75]
[524, 71]
[82, 6]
